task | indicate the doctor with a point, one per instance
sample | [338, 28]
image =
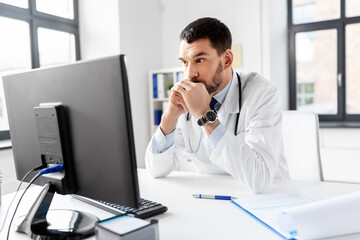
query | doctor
[225, 122]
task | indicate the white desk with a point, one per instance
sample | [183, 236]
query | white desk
[190, 218]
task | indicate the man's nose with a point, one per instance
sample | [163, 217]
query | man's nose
[192, 72]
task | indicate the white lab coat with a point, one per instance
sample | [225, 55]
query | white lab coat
[254, 157]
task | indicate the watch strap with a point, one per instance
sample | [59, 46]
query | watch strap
[201, 121]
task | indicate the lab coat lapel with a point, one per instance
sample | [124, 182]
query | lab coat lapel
[231, 102]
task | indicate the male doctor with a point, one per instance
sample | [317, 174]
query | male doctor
[225, 122]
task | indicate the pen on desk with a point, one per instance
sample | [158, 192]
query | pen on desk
[219, 197]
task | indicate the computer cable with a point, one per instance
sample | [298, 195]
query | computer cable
[17, 190]
[51, 169]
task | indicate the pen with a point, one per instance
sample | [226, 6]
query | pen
[219, 197]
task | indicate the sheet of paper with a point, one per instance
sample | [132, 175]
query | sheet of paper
[327, 218]
[267, 207]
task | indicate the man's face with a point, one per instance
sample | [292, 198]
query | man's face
[202, 63]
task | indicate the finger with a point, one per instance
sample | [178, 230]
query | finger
[185, 108]
[179, 100]
[177, 97]
[190, 82]
[179, 88]
[175, 94]
[186, 84]
[183, 105]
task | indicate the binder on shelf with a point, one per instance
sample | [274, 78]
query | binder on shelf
[160, 85]
[155, 86]
[157, 116]
[126, 228]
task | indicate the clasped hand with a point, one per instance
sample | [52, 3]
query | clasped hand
[189, 96]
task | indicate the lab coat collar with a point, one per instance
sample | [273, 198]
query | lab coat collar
[231, 102]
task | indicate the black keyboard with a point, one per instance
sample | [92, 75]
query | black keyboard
[147, 209]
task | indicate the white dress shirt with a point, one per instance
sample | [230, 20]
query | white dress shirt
[254, 157]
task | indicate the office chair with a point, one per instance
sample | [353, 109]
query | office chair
[300, 132]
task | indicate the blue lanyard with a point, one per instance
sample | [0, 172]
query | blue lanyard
[238, 114]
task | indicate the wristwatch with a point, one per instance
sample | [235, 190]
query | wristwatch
[209, 117]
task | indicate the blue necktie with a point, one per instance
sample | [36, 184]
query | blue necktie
[212, 104]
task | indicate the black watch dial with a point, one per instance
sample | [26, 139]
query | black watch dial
[211, 116]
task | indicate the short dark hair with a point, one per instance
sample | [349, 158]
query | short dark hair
[208, 28]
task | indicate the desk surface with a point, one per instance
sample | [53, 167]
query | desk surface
[190, 218]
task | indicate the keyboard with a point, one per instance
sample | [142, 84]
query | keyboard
[147, 209]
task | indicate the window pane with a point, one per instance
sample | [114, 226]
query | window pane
[316, 71]
[352, 8]
[352, 69]
[56, 47]
[60, 8]
[14, 55]
[17, 3]
[305, 11]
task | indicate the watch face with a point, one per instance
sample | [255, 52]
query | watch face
[211, 116]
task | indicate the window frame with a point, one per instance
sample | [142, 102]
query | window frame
[37, 19]
[341, 119]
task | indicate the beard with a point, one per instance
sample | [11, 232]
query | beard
[216, 80]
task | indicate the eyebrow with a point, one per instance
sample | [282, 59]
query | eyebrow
[199, 54]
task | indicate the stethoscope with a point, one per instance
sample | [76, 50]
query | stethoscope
[238, 114]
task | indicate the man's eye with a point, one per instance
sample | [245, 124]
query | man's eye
[184, 63]
[200, 60]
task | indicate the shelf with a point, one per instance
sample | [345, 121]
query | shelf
[159, 81]
[160, 99]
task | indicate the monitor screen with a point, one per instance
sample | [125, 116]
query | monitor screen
[95, 95]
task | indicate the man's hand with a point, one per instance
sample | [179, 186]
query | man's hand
[194, 95]
[175, 108]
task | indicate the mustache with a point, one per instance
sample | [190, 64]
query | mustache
[198, 81]
[208, 88]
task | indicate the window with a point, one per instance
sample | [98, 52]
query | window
[61, 8]
[35, 33]
[17, 3]
[55, 47]
[305, 94]
[324, 41]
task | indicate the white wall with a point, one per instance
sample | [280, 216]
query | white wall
[274, 45]
[140, 39]
[99, 25]
[241, 16]
[132, 28]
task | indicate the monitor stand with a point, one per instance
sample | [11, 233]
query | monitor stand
[42, 223]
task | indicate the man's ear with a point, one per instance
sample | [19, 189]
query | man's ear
[228, 58]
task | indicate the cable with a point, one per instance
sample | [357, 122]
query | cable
[52, 169]
[17, 190]
[12, 218]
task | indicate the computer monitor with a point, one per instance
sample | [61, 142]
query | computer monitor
[95, 95]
